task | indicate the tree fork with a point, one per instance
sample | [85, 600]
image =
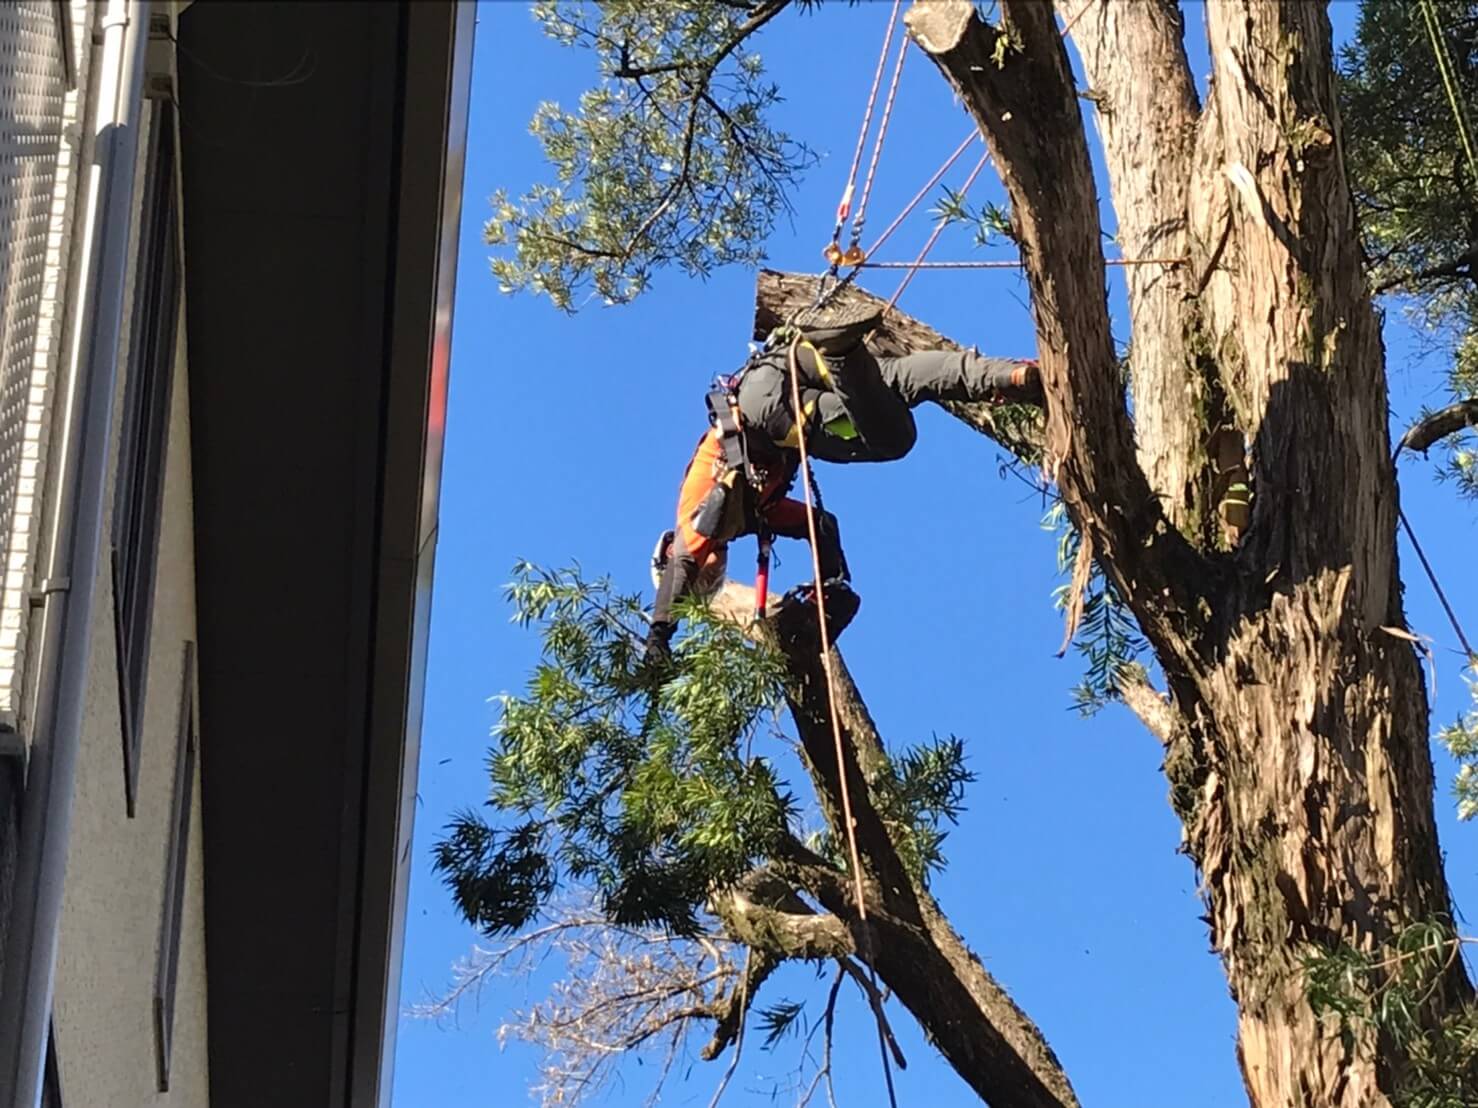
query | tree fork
[1300, 764]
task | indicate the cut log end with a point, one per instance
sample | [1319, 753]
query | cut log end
[779, 296]
[938, 25]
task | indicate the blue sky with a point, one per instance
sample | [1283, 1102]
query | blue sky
[566, 440]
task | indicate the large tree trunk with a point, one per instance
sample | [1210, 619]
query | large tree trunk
[1298, 755]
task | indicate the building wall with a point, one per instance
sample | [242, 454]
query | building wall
[104, 1010]
[115, 866]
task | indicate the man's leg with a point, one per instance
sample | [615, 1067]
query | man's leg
[787, 518]
[853, 414]
[689, 549]
[961, 375]
[677, 578]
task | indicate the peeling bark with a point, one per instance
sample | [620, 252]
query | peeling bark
[1146, 108]
[1298, 755]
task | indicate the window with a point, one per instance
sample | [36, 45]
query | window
[167, 971]
[144, 439]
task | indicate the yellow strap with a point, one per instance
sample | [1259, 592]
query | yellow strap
[793, 437]
[821, 367]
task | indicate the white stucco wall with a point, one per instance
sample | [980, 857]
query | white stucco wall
[115, 882]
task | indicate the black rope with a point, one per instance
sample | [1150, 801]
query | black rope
[1432, 575]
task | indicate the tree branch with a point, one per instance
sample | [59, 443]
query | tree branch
[1017, 84]
[1438, 425]
[763, 911]
[1145, 107]
[970, 1017]
[1153, 709]
[734, 1009]
[875, 1002]
[705, 66]
[1465, 265]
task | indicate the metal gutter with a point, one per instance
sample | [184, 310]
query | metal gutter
[67, 588]
[439, 92]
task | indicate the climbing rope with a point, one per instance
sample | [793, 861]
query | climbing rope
[1014, 264]
[1449, 84]
[853, 255]
[1460, 118]
[854, 856]
[1421, 555]
[844, 206]
[825, 295]
[826, 664]
[919, 196]
[938, 230]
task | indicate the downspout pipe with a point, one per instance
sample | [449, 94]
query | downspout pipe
[68, 587]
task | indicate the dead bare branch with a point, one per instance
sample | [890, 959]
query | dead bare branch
[1151, 706]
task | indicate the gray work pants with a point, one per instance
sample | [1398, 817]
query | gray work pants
[878, 395]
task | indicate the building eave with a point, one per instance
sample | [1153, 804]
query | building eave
[321, 212]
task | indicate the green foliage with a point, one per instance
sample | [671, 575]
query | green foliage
[990, 222]
[916, 794]
[779, 1020]
[1461, 740]
[1460, 465]
[1397, 991]
[667, 160]
[1414, 187]
[646, 795]
[1108, 637]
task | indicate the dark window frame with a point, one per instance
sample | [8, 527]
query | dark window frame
[176, 867]
[143, 444]
[61, 11]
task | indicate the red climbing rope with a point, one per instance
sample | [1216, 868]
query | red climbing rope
[938, 230]
[844, 206]
[853, 255]
[923, 192]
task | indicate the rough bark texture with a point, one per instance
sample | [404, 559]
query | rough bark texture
[906, 938]
[971, 1019]
[1298, 732]
[1146, 109]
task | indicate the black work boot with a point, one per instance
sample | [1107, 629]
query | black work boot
[1015, 382]
[837, 331]
[798, 613]
[656, 659]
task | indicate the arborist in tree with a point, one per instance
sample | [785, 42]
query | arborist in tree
[856, 407]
